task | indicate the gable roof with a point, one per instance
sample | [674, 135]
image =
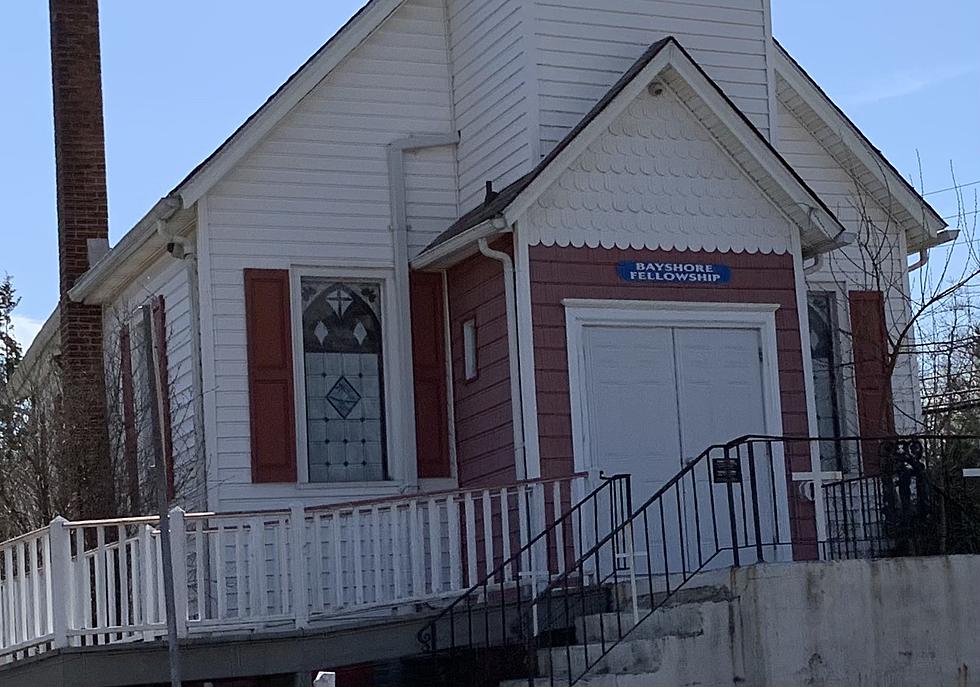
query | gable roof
[364, 22]
[803, 205]
[844, 141]
[128, 256]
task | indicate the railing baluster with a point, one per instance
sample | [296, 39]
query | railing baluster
[435, 547]
[338, 563]
[221, 572]
[507, 573]
[487, 533]
[522, 522]
[148, 569]
[241, 562]
[10, 594]
[23, 584]
[101, 619]
[317, 567]
[286, 603]
[123, 562]
[556, 511]
[470, 538]
[395, 527]
[357, 537]
[415, 549]
[376, 555]
[455, 553]
[201, 593]
[753, 488]
[256, 564]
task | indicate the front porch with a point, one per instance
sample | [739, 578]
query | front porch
[512, 568]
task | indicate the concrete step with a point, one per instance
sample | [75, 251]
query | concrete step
[683, 620]
[629, 657]
[592, 681]
[647, 598]
[638, 680]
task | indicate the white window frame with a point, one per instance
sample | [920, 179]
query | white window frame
[400, 471]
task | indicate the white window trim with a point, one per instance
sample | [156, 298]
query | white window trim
[401, 468]
[582, 313]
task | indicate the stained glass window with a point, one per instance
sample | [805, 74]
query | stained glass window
[344, 370]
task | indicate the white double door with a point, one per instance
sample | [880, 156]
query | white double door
[655, 398]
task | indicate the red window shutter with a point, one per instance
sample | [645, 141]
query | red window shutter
[270, 376]
[869, 340]
[160, 332]
[130, 445]
[429, 361]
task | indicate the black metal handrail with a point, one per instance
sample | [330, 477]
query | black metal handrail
[493, 613]
[724, 464]
[734, 503]
[900, 509]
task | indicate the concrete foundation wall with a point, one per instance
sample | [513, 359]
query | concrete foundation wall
[889, 623]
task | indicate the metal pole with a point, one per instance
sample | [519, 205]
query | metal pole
[154, 383]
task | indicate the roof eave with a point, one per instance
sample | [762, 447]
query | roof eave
[124, 261]
[928, 221]
[445, 255]
[296, 87]
[48, 336]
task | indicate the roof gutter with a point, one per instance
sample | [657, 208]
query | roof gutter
[461, 245]
[942, 237]
[145, 231]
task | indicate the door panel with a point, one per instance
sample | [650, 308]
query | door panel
[632, 410]
[720, 398]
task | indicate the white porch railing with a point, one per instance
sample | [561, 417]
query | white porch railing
[101, 582]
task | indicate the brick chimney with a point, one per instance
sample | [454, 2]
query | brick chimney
[83, 231]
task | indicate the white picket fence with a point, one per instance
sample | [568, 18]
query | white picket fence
[101, 582]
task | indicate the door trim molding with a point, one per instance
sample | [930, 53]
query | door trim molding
[583, 313]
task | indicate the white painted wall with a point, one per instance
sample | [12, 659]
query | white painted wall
[314, 193]
[490, 59]
[167, 277]
[851, 268]
[583, 47]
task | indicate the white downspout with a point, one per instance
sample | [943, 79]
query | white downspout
[516, 403]
[921, 262]
[399, 230]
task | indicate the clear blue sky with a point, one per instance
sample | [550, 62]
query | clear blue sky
[180, 75]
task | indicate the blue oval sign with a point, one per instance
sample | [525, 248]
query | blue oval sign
[680, 273]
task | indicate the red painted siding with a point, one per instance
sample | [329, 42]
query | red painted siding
[484, 426]
[429, 362]
[559, 273]
[270, 376]
[876, 416]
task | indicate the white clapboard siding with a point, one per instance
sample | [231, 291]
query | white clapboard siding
[167, 277]
[583, 47]
[490, 61]
[837, 188]
[314, 192]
